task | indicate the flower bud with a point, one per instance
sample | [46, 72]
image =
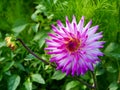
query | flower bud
[10, 43]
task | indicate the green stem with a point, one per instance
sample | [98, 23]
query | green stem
[118, 65]
[95, 81]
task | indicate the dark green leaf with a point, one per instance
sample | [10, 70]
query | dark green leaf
[111, 68]
[1, 76]
[113, 50]
[19, 66]
[58, 75]
[8, 65]
[13, 82]
[100, 72]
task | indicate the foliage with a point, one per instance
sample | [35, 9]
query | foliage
[31, 21]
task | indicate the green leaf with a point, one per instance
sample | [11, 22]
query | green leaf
[29, 57]
[38, 78]
[13, 82]
[1, 76]
[110, 48]
[113, 86]
[100, 72]
[2, 44]
[8, 65]
[71, 85]
[19, 28]
[99, 69]
[58, 75]
[35, 27]
[111, 68]
[28, 84]
[19, 66]
[113, 51]
[2, 58]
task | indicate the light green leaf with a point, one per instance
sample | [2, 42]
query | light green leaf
[58, 75]
[19, 28]
[2, 58]
[38, 78]
[35, 27]
[2, 44]
[13, 82]
[113, 86]
[8, 65]
[110, 48]
[71, 85]
[28, 84]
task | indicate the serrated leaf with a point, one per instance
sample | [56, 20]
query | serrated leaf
[19, 28]
[38, 78]
[13, 82]
[8, 65]
[71, 85]
[113, 86]
[28, 84]
[58, 75]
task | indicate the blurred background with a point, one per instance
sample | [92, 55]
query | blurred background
[31, 20]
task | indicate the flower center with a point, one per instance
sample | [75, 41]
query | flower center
[73, 44]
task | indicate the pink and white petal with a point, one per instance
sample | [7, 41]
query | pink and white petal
[75, 29]
[68, 25]
[58, 57]
[81, 24]
[88, 25]
[60, 25]
[92, 30]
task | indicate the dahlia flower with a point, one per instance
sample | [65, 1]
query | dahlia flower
[74, 48]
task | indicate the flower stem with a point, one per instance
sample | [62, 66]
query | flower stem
[47, 63]
[85, 83]
[30, 51]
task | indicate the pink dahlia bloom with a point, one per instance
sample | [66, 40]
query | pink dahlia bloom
[75, 47]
